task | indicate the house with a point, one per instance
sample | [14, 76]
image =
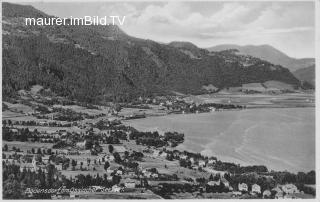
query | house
[63, 151]
[130, 184]
[243, 187]
[109, 170]
[214, 183]
[147, 174]
[45, 159]
[119, 148]
[266, 194]
[163, 154]
[27, 166]
[119, 172]
[131, 173]
[202, 163]
[154, 175]
[73, 196]
[110, 158]
[14, 130]
[59, 167]
[155, 153]
[85, 152]
[42, 123]
[169, 103]
[183, 157]
[289, 189]
[55, 135]
[279, 192]
[116, 188]
[81, 145]
[192, 160]
[212, 161]
[255, 189]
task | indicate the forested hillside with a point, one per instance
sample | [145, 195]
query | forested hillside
[270, 54]
[101, 63]
[307, 74]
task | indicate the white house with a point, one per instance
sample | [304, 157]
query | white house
[109, 170]
[214, 183]
[266, 194]
[154, 175]
[279, 192]
[109, 158]
[255, 189]
[289, 189]
[119, 172]
[81, 145]
[202, 163]
[243, 187]
[116, 188]
[147, 174]
[212, 161]
[130, 184]
[163, 154]
[155, 153]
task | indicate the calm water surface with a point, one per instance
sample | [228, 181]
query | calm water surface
[281, 139]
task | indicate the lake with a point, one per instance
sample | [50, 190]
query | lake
[280, 138]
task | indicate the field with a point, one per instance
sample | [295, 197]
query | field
[146, 194]
[258, 100]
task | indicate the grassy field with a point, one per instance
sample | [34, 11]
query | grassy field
[138, 194]
[258, 100]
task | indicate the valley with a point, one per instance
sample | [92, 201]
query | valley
[91, 112]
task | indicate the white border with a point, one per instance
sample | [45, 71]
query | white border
[317, 120]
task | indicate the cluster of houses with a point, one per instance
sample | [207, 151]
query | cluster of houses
[286, 191]
[23, 160]
[196, 163]
[255, 190]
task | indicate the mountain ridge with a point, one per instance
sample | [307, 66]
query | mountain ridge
[101, 63]
[269, 53]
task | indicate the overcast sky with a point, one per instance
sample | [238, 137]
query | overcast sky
[288, 26]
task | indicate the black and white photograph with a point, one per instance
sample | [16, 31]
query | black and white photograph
[159, 100]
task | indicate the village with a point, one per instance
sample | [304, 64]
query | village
[119, 159]
[63, 150]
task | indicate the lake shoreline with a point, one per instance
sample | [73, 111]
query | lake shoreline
[195, 143]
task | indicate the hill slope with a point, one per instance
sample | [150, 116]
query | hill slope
[269, 53]
[101, 63]
[306, 74]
